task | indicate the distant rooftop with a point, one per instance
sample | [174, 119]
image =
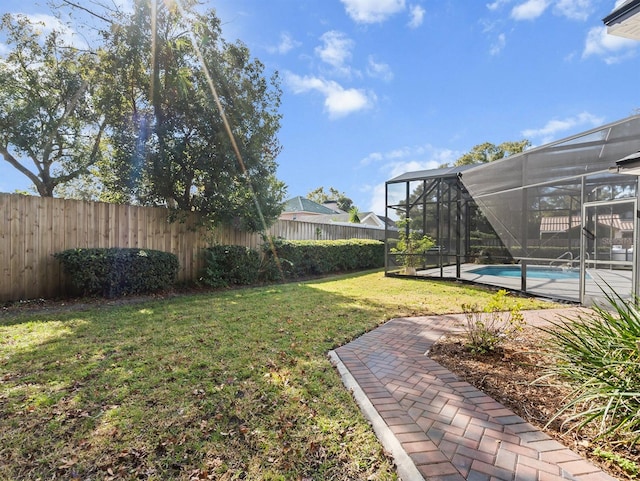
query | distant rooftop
[302, 204]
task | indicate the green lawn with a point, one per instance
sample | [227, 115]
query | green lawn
[226, 385]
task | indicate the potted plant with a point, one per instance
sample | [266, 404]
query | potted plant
[411, 247]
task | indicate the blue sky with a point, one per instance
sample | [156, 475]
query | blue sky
[375, 88]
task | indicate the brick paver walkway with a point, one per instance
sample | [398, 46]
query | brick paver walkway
[438, 427]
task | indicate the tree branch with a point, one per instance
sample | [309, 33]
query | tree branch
[17, 165]
[90, 12]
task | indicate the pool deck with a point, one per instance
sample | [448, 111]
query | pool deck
[564, 289]
[438, 428]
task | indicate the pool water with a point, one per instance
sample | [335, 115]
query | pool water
[534, 272]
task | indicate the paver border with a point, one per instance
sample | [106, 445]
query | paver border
[404, 464]
[448, 431]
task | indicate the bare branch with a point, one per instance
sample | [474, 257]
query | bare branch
[89, 11]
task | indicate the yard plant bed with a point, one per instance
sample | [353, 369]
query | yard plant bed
[511, 375]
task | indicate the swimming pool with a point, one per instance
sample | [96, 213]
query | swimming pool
[534, 272]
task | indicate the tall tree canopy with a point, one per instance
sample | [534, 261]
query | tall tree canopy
[158, 134]
[343, 202]
[50, 128]
[170, 142]
[488, 152]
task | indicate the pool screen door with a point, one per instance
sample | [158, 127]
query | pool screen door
[608, 256]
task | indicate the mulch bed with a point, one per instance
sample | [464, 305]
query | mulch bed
[511, 375]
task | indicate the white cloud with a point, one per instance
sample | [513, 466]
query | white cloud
[554, 128]
[573, 9]
[499, 44]
[45, 24]
[611, 48]
[407, 158]
[379, 70]
[338, 101]
[287, 43]
[378, 195]
[373, 11]
[336, 49]
[401, 160]
[497, 4]
[529, 10]
[532, 9]
[417, 16]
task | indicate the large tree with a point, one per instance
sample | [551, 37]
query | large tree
[488, 152]
[50, 128]
[194, 118]
[162, 111]
[343, 202]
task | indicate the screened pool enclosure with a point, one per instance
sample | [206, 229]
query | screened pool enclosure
[559, 221]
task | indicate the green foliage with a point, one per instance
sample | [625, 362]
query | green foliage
[628, 466]
[279, 260]
[599, 354]
[488, 152]
[292, 259]
[170, 144]
[50, 128]
[117, 272]
[231, 265]
[354, 215]
[411, 245]
[223, 385]
[109, 124]
[343, 202]
[487, 327]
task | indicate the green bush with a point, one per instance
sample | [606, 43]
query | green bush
[280, 259]
[292, 259]
[227, 265]
[599, 354]
[487, 327]
[115, 272]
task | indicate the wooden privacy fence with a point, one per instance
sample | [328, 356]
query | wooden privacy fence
[32, 229]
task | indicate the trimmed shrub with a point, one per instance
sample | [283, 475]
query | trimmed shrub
[227, 265]
[308, 257]
[114, 272]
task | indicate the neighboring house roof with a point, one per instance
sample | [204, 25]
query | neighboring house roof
[305, 210]
[558, 224]
[366, 218]
[624, 21]
[333, 205]
[388, 221]
[304, 205]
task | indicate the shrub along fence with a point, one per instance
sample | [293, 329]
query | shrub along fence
[33, 229]
[282, 260]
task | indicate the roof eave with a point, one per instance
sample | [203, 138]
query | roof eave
[621, 12]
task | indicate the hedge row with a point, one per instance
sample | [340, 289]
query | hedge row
[227, 265]
[282, 260]
[115, 272]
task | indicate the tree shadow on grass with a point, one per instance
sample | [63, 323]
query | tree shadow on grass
[229, 382]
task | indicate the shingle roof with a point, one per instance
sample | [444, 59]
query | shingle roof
[302, 204]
